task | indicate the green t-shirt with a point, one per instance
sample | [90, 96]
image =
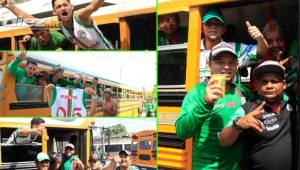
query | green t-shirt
[68, 163]
[58, 40]
[204, 122]
[182, 31]
[62, 82]
[20, 73]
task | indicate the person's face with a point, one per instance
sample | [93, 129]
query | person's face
[94, 164]
[58, 75]
[125, 160]
[63, 10]
[94, 81]
[69, 151]
[224, 63]
[42, 81]
[106, 95]
[31, 69]
[36, 126]
[168, 24]
[270, 86]
[276, 42]
[213, 29]
[43, 37]
[43, 165]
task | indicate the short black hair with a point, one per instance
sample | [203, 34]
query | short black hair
[31, 62]
[36, 121]
[95, 78]
[53, 1]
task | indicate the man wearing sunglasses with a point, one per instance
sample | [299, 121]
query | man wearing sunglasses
[42, 161]
[213, 28]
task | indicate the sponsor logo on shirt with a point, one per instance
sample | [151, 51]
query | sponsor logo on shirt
[81, 34]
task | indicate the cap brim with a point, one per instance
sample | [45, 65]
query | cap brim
[275, 69]
[207, 18]
[224, 51]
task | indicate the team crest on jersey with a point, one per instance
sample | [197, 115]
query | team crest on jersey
[81, 34]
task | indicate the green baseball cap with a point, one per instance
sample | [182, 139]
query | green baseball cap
[213, 13]
[42, 156]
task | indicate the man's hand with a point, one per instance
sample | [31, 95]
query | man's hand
[250, 120]
[90, 91]
[254, 32]
[22, 56]
[213, 92]
[25, 39]
[39, 131]
[7, 4]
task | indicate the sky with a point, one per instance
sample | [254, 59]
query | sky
[131, 124]
[136, 69]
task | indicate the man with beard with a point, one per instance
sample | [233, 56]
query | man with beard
[78, 26]
[213, 27]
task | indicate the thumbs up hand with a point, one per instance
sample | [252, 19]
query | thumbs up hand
[254, 32]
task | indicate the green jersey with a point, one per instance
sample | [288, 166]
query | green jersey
[57, 40]
[68, 163]
[204, 122]
[132, 167]
[20, 73]
[62, 82]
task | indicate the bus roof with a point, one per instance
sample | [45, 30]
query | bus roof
[77, 123]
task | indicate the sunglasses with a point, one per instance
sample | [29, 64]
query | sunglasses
[217, 24]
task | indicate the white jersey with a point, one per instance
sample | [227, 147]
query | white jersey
[86, 36]
[15, 138]
[68, 102]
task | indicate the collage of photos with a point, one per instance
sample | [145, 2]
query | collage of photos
[149, 84]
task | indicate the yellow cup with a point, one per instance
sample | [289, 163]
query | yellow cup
[220, 80]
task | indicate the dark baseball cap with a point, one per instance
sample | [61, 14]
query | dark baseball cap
[269, 67]
[126, 152]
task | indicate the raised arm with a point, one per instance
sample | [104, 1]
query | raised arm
[262, 44]
[84, 14]
[14, 9]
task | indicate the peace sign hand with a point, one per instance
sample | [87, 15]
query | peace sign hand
[250, 120]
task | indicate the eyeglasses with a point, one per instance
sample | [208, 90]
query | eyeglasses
[217, 24]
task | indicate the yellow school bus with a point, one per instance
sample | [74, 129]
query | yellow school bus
[33, 100]
[59, 131]
[178, 64]
[143, 150]
[129, 25]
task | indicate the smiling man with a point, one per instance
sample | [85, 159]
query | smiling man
[206, 109]
[264, 123]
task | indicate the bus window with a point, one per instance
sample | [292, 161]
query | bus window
[5, 43]
[172, 28]
[29, 93]
[26, 152]
[112, 33]
[113, 148]
[172, 64]
[142, 32]
[145, 145]
[18, 38]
